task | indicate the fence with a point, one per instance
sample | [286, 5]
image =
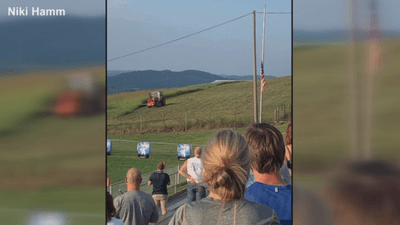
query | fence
[177, 182]
[283, 112]
[192, 120]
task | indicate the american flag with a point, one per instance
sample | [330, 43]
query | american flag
[262, 78]
[376, 56]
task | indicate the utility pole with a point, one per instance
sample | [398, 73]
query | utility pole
[354, 120]
[255, 69]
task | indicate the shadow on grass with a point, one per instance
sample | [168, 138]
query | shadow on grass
[19, 128]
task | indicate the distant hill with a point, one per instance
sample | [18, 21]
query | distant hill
[301, 37]
[245, 77]
[151, 79]
[40, 43]
[111, 73]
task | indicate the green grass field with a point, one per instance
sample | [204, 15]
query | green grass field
[49, 163]
[207, 105]
[80, 206]
[125, 103]
[321, 107]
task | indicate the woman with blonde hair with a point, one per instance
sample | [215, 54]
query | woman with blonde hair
[226, 168]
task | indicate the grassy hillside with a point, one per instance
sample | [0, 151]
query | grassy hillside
[46, 159]
[322, 121]
[126, 103]
[218, 104]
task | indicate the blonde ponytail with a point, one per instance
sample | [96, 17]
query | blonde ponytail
[226, 164]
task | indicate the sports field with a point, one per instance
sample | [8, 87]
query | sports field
[124, 154]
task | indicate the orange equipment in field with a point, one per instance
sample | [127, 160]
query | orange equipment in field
[82, 95]
[70, 102]
[156, 98]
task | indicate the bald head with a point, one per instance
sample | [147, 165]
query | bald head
[197, 151]
[133, 176]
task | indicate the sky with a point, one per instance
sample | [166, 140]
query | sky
[327, 14]
[227, 49]
[135, 25]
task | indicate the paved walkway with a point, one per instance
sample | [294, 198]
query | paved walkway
[173, 203]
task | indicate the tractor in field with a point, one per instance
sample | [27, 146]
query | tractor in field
[82, 95]
[156, 98]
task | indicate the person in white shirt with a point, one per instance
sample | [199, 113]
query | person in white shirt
[192, 169]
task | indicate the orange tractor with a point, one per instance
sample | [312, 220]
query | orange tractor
[82, 95]
[156, 98]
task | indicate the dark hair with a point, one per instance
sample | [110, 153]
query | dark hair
[267, 148]
[110, 206]
[288, 135]
[160, 166]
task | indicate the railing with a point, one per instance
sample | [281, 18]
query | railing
[177, 181]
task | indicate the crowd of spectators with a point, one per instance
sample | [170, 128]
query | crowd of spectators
[246, 179]
[219, 190]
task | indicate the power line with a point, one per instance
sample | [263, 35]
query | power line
[179, 38]
[275, 12]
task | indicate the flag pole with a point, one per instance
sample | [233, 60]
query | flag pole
[255, 69]
[375, 57]
[262, 67]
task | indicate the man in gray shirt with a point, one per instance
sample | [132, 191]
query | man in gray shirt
[135, 207]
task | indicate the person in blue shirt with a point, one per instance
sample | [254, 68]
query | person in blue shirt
[267, 155]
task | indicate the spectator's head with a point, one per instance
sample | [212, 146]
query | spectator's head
[365, 192]
[226, 164]
[160, 166]
[110, 206]
[309, 208]
[288, 135]
[267, 149]
[197, 152]
[133, 179]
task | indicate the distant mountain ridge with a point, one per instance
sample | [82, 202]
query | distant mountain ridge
[111, 73]
[336, 35]
[152, 79]
[47, 43]
[245, 77]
